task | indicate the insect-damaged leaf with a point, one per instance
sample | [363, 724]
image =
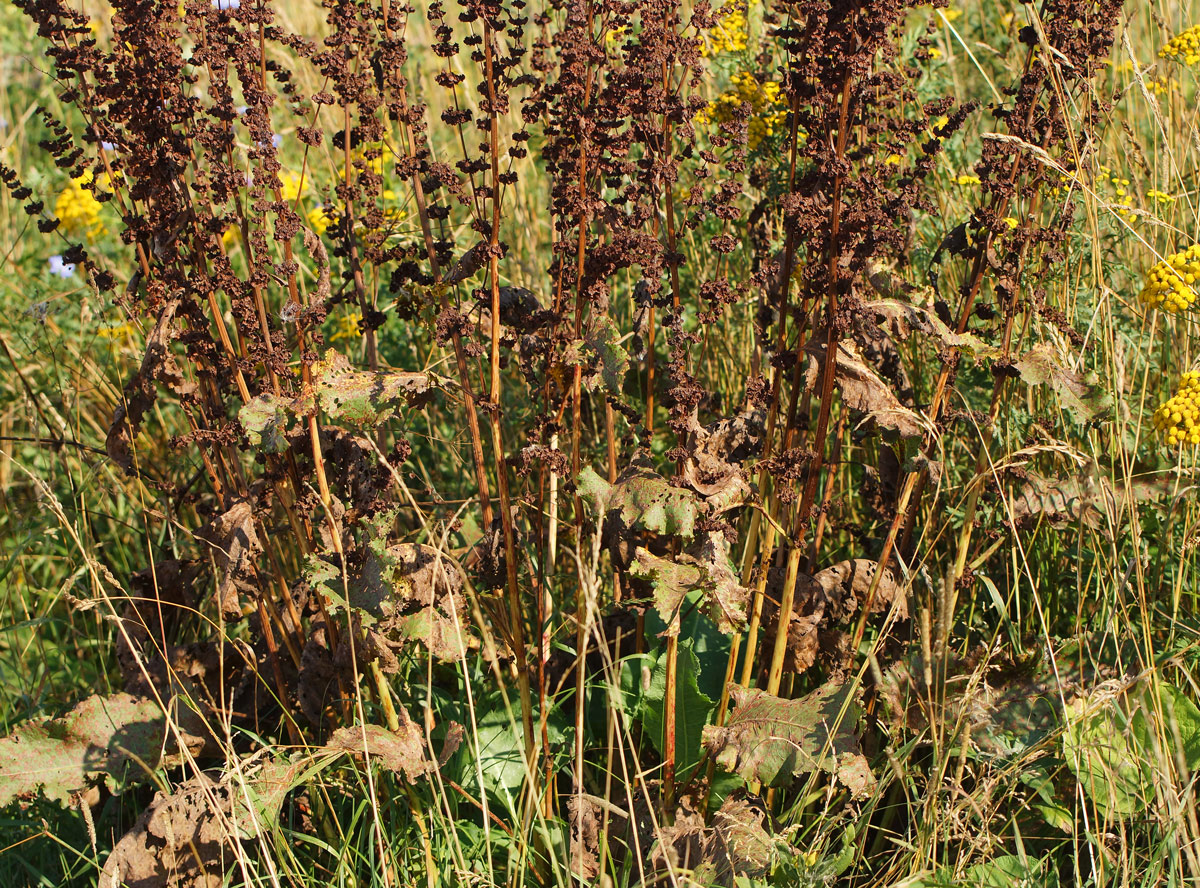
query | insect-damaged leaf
[107, 736]
[1082, 394]
[772, 740]
[362, 397]
[401, 752]
[706, 570]
[187, 839]
[906, 316]
[266, 421]
[611, 362]
[641, 499]
[234, 545]
[861, 387]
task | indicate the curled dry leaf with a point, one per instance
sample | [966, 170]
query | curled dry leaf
[771, 740]
[905, 317]
[468, 264]
[316, 248]
[861, 387]
[401, 752]
[584, 813]
[713, 466]
[158, 364]
[822, 602]
[608, 362]
[641, 499]
[234, 546]
[114, 738]
[738, 844]
[705, 569]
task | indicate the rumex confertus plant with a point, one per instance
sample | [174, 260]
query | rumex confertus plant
[266, 183]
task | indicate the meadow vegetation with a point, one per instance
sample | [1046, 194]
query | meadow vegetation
[599, 442]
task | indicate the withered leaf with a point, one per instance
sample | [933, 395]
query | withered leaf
[468, 264]
[713, 465]
[610, 362]
[108, 737]
[908, 316]
[705, 569]
[772, 740]
[738, 843]
[402, 752]
[1084, 395]
[861, 387]
[187, 839]
[234, 545]
[641, 499]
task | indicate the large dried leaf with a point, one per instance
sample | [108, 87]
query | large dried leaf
[1087, 497]
[402, 752]
[772, 740]
[362, 397]
[705, 571]
[1084, 395]
[114, 738]
[713, 466]
[861, 388]
[234, 545]
[738, 844]
[188, 839]
[641, 499]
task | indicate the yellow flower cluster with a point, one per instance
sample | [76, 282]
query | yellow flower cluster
[1169, 284]
[1178, 420]
[320, 220]
[345, 326]
[1183, 47]
[1120, 184]
[1160, 197]
[79, 210]
[731, 33]
[767, 109]
[966, 180]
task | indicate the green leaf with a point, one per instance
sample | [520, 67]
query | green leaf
[692, 707]
[772, 740]
[604, 342]
[643, 500]
[1106, 749]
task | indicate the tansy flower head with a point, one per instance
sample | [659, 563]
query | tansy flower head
[1169, 284]
[729, 34]
[1178, 420]
[79, 210]
[1183, 47]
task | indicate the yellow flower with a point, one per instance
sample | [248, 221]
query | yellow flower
[1011, 222]
[730, 34]
[951, 14]
[229, 236]
[934, 52]
[1178, 420]
[967, 180]
[1160, 197]
[319, 220]
[292, 186]
[79, 210]
[768, 112]
[612, 35]
[1183, 47]
[1169, 283]
[346, 327]
[893, 160]
[116, 331]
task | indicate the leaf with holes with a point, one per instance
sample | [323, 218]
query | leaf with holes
[772, 740]
[266, 421]
[363, 397]
[1083, 394]
[641, 499]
